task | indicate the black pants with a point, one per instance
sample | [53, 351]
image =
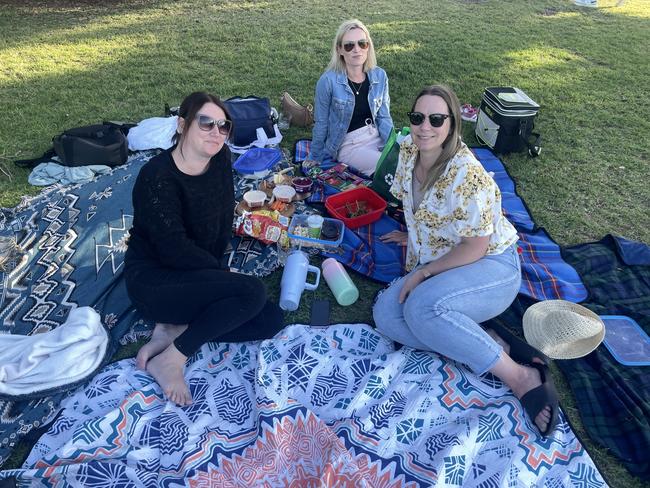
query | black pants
[215, 304]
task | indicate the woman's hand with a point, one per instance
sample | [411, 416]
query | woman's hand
[401, 238]
[409, 285]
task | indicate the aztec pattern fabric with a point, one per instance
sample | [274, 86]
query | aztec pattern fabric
[71, 242]
[311, 407]
[613, 399]
[545, 275]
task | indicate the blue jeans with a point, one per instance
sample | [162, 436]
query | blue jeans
[442, 314]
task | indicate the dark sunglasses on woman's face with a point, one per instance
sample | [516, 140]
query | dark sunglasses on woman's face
[436, 120]
[362, 43]
[207, 124]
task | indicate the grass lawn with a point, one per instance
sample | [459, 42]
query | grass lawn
[68, 63]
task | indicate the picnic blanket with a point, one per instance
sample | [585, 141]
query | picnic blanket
[312, 407]
[69, 250]
[545, 275]
[613, 399]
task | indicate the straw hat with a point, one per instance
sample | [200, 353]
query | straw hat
[562, 330]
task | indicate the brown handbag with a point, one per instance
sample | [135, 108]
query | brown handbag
[301, 116]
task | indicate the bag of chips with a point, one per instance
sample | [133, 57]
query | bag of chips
[267, 226]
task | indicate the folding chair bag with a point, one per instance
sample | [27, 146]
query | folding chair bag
[92, 144]
[506, 120]
[248, 114]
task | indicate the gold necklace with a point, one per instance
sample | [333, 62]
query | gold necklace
[356, 88]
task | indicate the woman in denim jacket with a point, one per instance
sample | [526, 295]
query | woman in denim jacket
[352, 107]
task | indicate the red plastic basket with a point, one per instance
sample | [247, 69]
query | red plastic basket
[336, 206]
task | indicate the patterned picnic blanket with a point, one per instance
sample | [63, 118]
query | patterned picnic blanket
[545, 275]
[613, 399]
[73, 240]
[311, 407]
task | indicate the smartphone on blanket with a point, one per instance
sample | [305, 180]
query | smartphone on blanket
[320, 313]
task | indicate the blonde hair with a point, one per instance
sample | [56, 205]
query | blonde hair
[336, 62]
[452, 143]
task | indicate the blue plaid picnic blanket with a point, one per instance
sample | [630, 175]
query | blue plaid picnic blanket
[613, 399]
[545, 275]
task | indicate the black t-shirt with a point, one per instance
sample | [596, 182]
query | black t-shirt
[182, 221]
[361, 108]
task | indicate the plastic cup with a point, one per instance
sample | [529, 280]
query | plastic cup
[314, 225]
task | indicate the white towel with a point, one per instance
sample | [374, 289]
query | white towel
[65, 355]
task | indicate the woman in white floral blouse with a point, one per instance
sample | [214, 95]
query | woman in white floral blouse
[462, 261]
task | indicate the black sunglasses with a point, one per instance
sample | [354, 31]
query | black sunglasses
[436, 120]
[362, 43]
[207, 124]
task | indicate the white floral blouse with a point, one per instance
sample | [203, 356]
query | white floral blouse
[464, 202]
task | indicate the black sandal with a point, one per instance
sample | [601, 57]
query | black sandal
[520, 350]
[540, 397]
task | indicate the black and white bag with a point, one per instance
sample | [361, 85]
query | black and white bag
[506, 120]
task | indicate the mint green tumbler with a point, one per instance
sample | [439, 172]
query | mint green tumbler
[339, 281]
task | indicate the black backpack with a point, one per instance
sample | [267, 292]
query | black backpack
[92, 144]
[104, 144]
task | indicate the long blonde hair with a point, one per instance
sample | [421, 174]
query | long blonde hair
[336, 62]
[452, 143]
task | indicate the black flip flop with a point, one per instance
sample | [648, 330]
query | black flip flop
[540, 397]
[520, 350]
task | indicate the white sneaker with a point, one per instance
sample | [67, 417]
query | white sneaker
[586, 3]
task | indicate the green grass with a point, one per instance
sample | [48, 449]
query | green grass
[70, 62]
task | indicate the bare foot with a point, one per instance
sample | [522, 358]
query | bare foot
[528, 379]
[168, 368]
[163, 335]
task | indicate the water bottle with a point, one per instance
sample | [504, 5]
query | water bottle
[339, 281]
[294, 280]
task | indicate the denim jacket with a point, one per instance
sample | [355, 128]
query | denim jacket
[334, 105]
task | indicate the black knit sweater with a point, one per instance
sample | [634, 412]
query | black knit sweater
[181, 221]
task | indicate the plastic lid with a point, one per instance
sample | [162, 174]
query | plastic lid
[626, 340]
[257, 159]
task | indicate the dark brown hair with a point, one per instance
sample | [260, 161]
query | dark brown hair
[190, 108]
[452, 143]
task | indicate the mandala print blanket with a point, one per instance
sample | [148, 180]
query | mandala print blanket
[311, 407]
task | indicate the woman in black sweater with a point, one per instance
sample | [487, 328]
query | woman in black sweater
[183, 202]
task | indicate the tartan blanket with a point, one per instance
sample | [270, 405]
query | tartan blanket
[73, 240]
[613, 399]
[311, 407]
[545, 275]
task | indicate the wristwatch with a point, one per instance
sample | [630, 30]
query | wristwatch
[426, 273]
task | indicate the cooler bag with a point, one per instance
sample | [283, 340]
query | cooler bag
[506, 120]
[248, 114]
